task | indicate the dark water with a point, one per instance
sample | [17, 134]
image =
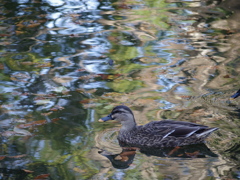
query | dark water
[65, 64]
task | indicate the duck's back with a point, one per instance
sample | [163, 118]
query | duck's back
[166, 133]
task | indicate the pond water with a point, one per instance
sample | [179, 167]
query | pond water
[66, 63]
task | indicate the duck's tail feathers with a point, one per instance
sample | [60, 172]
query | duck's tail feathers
[206, 133]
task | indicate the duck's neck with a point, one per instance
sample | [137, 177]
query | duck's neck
[129, 124]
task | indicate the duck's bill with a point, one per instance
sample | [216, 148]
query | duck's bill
[104, 119]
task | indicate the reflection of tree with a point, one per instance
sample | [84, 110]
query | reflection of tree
[55, 56]
[42, 85]
[197, 56]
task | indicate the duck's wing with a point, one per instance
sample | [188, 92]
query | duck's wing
[154, 128]
[172, 123]
[175, 128]
[186, 131]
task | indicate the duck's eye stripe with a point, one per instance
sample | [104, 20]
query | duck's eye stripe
[117, 112]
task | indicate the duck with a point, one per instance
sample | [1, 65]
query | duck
[156, 134]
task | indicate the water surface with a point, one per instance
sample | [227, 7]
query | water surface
[64, 64]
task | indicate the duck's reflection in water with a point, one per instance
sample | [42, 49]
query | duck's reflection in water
[124, 159]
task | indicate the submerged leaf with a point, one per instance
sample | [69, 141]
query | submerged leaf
[46, 114]
[36, 123]
[173, 151]
[28, 171]
[2, 157]
[31, 124]
[85, 101]
[42, 176]
[21, 131]
[194, 154]
[57, 108]
[109, 76]
[55, 120]
[8, 133]
[1, 66]
[18, 156]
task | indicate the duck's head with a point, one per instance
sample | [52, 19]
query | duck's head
[122, 114]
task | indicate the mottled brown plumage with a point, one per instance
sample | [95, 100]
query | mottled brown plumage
[165, 133]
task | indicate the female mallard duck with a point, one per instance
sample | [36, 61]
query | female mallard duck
[165, 133]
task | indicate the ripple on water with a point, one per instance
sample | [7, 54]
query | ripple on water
[107, 140]
[220, 100]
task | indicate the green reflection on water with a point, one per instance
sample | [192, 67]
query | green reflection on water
[44, 75]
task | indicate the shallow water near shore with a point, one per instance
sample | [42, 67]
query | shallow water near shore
[64, 64]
